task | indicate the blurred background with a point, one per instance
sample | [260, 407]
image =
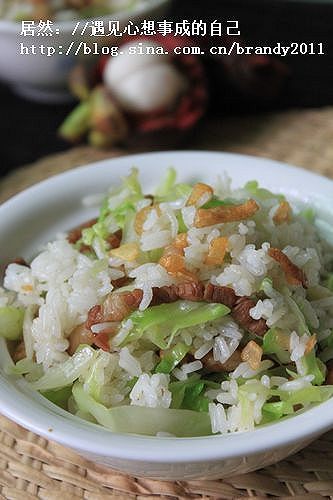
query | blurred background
[225, 87]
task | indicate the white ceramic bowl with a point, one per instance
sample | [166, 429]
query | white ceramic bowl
[43, 78]
[37, 214]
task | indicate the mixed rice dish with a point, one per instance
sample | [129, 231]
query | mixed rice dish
[189, 311]
[62, 10]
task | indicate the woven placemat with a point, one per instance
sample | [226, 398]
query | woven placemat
[32, 467]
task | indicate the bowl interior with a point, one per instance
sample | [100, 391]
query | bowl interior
[36, 215]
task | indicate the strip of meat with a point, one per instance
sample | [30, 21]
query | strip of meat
[75, 234]
[211, 365]
[193, 291]
[80, 335]
[164, 295]
[120, 282]
[102, 338]
[241, 314]
[294, 275]
[116, 307]
[85, 249]
[220, 295]
[95, 316]
[114, 239]
[189, 290]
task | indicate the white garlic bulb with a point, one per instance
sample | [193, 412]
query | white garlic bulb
[143, 82]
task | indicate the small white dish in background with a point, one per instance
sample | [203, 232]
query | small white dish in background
[55, 205]
[44, 79]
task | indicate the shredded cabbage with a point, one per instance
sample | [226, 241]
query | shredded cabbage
[275, 342]
[261, 193]
[327, 346]
[168, 190]
[302, 326]
[142, 420]
[314, 366]
[308, 214]
[130, 191]
[275, 411]
[305, 396]
[11, 322]
[65, 374]
[99, 374]
[167, 184]
[172, 357]
[293, 401]
[161, 323]
[190, 394]
[59, 397]
[27, 367]
[117, 211]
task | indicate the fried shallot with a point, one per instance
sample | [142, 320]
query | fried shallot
[294, 275]
[225, 213]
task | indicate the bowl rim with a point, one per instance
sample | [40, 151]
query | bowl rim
[91, 438]
[10, 26]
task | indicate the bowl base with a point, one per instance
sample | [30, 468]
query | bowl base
[44, 96]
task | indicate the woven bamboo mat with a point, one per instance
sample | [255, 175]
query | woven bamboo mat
[32, 467]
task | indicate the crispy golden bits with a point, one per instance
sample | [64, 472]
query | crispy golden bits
[310, 344]
[173, 250]
[128, 251]
[225, 213]
[175, 265]
[201, 194]
[186, 275]
[217, 251]
[283, 213]
[172, 263]
[294, 275]
[181, 241]
[173, 259]
[252, 353]
[142, 215]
